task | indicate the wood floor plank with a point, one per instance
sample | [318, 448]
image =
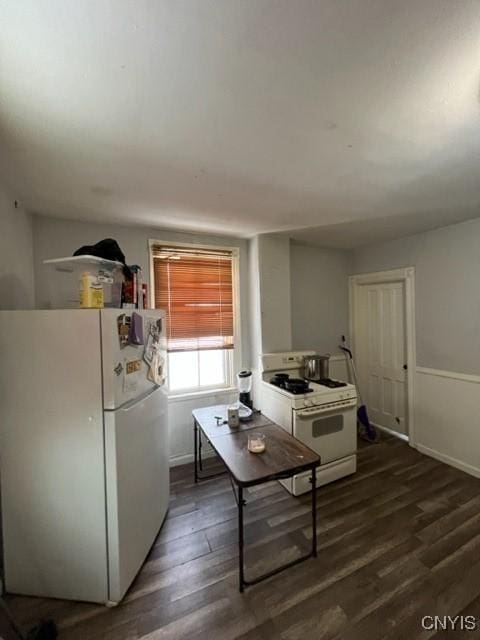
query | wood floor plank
[452, 598]
[170, 554]
[397, 540]
[185, 626]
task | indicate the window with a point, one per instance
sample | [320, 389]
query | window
[195, 286]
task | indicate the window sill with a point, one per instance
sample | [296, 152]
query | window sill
[190, 395]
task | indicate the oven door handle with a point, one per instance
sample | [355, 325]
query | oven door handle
[314, 414]
[304, 415]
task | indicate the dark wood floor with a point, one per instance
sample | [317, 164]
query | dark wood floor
[398, 540]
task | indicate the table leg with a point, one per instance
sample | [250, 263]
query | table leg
[244, 582]
[314, 512]
[197, 456]
[240, 540]
[195, 442]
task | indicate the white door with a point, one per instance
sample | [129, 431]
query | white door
[380, 351]
[137, 484]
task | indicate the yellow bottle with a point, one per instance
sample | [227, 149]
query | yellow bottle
[91, 291]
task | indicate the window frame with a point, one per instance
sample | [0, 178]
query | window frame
[237, 344]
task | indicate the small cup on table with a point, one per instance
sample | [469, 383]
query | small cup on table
[256, 442]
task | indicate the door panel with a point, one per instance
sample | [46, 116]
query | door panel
[381, 352]
[51, 444]
[122, 383]
[333, 436]
[137, 474]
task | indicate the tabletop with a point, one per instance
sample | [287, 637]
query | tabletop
[205, 418]
[284, 456]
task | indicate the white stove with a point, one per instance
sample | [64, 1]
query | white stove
[320, 396]
[322, 417]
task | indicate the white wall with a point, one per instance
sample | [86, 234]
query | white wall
[16, 255]
[254, 316]
[447, 417]
[53, 238]
[274, 279]
[302, 292]
[298, 299]
[280, 310]
[319, 297]
[16, 264]
[181, 424]
[269, 301]
[447, 308]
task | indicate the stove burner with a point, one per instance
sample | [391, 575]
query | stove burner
[280, 379]
[297, 386]
[331, 384]
[278, 382]
[298, 390]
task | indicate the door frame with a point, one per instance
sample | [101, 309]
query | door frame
[407, 276]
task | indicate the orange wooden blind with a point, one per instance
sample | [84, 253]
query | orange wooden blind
[195, 289]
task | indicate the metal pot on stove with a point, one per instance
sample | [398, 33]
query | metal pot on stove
[316, 367]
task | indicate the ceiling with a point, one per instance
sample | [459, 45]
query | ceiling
[357, 233]
[244, 116]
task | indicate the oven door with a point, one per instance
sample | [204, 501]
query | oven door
[332, 434]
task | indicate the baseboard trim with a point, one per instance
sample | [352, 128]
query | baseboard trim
[453, 462]
[176, 461]
[391, 432]
[439, 373]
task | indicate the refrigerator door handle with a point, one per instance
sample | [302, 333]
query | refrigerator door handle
[133, 403]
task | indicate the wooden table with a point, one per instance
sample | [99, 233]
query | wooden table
[283, 457]
[212, 422]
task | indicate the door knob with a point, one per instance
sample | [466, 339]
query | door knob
[405, 367]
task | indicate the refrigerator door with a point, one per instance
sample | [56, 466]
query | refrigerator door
[137, 482]
[52, 450]
[124, 367]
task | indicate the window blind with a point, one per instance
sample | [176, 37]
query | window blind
[194, 287]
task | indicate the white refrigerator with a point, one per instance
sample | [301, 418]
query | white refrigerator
[83, 452]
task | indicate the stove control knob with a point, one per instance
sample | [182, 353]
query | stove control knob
[308, 403]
